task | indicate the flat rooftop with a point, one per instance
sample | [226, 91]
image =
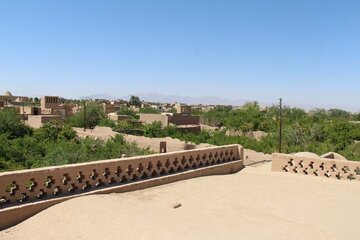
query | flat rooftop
[252, 204]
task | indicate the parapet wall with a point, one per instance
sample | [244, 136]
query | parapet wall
[149, 118]
[179, 119]
[322, 167]
[27, 192]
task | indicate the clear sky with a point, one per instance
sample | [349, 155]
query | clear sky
[307, 51]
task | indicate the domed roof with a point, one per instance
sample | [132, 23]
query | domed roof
[306, 154]
[333, 155]
[8, 94]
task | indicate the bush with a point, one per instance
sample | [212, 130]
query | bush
[56, 144]
[352, 151]
[149, 110]
[11, 124]
[135, 101]
[53, 131]
[105, 122]
[124, 110]
[94, 114]
[153, 130]
[129, 127]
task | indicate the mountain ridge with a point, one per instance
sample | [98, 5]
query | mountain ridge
[157, 97]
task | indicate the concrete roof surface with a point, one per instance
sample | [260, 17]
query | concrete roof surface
[255, 203]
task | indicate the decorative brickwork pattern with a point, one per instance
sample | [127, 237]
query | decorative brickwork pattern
[322, 167]
[21, 187]
[27, 192]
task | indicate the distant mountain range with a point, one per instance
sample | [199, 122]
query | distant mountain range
[100, 96]
[207, 100]
[156, 97]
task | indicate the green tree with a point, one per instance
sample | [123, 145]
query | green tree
[357, 117]
[124, 110]
[135, 101]
[94, 113]
[36, 100]
[11, 124]
[338, 113]
[53, 131]
[105, 122]
[149, 110]
[153, 130]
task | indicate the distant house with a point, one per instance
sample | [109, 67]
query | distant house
[108, 108]
[116, 117]
[36, 121]
[8, 99]
[181, 118]
[50, 105]
[29, 110]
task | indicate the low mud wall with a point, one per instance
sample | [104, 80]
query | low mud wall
[322, 167]
[27, 192]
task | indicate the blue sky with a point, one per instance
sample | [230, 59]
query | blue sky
[308, 52]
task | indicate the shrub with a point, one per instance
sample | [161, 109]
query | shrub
[11, 124]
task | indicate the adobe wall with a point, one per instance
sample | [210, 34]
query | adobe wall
[37, 121]
[116, 117]
[27, 110]
[190, 128]
[108, 108]
[49, 102]
[322, 167]
[27, 192]
[149, 118]
[179, 119]
[183, 109]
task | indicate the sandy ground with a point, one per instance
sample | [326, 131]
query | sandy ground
[105, 133]
[252, 157]
[171, 143]
[252, 204]
[144, 142]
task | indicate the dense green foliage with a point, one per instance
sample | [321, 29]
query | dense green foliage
[319, 131]
[214, 137]
[124, 110]
[129, 127]
[53, 144]
[105, 122]
[11, 125]
[149, 110]
[135, 101]
[93, 116]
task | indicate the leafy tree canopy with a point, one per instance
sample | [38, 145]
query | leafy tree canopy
[94, 113]
[11, 124]
[135, 101]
